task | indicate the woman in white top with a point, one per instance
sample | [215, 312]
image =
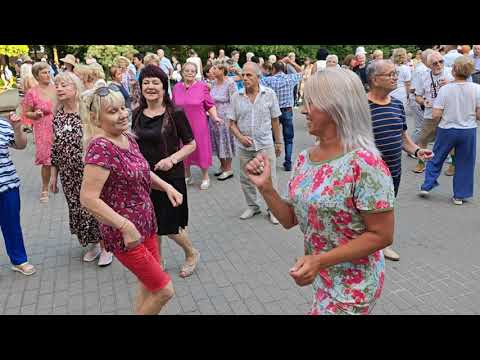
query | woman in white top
[321, 63]
[197, 61]
[457, 106]
[404, 75]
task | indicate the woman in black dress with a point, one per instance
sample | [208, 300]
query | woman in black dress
[161, 130]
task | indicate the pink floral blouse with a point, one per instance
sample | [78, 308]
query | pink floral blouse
[127, 189]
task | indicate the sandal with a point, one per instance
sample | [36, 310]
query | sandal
[188, 269]
[25, 269]
[44, 197]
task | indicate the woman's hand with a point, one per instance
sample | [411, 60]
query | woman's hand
[305, 270]
[54, 184]
[131, 236]
[164, 165]
[15, 121]
[425, 154]
[258, 171]
[175, 197]
[218, 121]
[37, 114]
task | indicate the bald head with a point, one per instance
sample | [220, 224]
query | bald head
[160, 53]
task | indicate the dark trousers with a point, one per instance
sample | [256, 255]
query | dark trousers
[286, 119]
[10, 224]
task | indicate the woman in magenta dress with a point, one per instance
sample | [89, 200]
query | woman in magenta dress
[195, 100]
[38, 106]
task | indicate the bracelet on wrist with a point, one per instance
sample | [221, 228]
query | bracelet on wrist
[416, 152]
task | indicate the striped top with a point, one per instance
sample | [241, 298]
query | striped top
[8, 175]
[389, 124]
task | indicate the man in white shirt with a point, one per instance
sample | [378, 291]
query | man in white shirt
[451, 54]
[417, 80]
[166, 66]
[476, 59]
[426, 93]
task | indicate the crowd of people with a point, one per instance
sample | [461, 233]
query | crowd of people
[123, 151]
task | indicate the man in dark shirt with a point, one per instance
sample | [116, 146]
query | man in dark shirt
[389, 125]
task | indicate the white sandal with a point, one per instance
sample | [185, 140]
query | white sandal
[25, 269]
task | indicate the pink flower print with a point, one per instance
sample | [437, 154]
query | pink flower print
[349, 203]
[384, 168]
[357, 171]
[352, 277]
[314, 219]
[337, 183]
[331, 307]
[320, 295]
[294, 185]
[328, 191]
[358, 296]
[368, 157]
[376, 255]
[326, 278]
[314, 311]
[381, 204]
[347, 179]
[342, 217]
[318, 242]
[343, 241]
[381, 281]
[321, 175]
[362, 261]
[300, 161]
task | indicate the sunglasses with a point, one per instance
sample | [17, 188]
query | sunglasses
[104, 91]
[435, 63]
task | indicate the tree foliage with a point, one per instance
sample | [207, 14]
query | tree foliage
[13, 50]
[106, 54]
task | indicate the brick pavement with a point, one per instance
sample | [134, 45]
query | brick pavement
[244, 264]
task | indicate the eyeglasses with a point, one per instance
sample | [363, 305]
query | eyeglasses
[104, 91]
[392, 75]
[435, 63]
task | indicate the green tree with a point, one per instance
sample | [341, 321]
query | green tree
[106, 54]
[13, 50]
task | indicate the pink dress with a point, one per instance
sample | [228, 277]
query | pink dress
[195, 102]
[42, 127]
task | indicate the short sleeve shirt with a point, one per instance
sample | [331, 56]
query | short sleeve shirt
[429, 89]
[127, 189]
[8, 174]
[459, 102]
[328, 198]
[255, 119]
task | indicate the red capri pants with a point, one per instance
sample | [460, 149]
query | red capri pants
[144, 261]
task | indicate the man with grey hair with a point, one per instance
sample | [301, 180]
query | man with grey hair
[389, 125]
[166, 66]
[254, 113]
[426, 92]
[476, 59]
[417, 79]
[249, 56]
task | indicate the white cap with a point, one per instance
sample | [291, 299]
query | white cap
[360, 50]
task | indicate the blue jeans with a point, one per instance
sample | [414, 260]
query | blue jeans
[465, 143]
[286, 119]
[10, 224]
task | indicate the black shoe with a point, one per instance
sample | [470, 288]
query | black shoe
[287, 168]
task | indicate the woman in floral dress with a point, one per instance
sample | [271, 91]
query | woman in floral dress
[39, 105]
[340, 194]
[223, 144]
[67, 161]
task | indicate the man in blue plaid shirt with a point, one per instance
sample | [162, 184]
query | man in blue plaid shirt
[283, 85]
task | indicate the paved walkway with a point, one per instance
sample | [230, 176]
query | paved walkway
[244, 265]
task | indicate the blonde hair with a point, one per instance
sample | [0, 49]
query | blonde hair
[463, 67]
[151, 58]
[28, 82]
[377, 53]
[122, 61]
[398, 54]
[340, 93]
[73, 79]
[221, 65]
[90, 73]
[91, 106]
[37, 67]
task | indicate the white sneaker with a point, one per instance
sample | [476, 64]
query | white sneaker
[390, 254]
[457, 201]
[189, 180]
[92, 253]
[272, 218]
[205, 184]
[423, 193]
[106, 258]
[249, 213]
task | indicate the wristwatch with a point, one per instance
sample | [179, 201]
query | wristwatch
[173, 160]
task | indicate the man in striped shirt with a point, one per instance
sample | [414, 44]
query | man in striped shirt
[389, 125]
[11, 135]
